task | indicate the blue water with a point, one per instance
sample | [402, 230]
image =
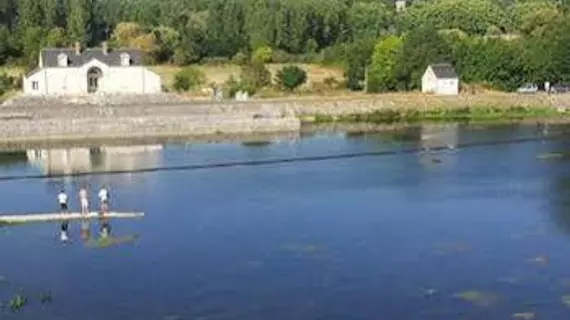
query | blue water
[397, 236]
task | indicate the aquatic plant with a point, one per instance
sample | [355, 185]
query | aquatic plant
[477, 298]
[111, 241]
[18, 302]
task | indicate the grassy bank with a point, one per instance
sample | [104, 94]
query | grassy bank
[465, 114]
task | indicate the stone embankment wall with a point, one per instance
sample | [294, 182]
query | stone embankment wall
[139, 126]
[25, 118]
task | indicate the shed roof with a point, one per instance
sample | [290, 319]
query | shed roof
[444, 71]
[111, 58]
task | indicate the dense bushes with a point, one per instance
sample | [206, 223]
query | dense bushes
[188, 78]
[290, 77]
[8, 83]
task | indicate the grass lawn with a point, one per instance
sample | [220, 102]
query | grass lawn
[220, 73]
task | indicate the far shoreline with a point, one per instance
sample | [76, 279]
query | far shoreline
[252, 139]
[60, 120]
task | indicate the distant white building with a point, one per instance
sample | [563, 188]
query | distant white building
[441, 79]
[75, 71]
[400, 5]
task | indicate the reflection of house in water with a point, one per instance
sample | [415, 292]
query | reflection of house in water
[437, 136]
[104, 158]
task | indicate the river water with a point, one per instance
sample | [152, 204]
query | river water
[477, 230]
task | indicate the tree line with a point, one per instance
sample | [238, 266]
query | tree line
[501, 43]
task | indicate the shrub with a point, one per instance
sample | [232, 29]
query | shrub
[262, 55]
[331, 82]
[254, 76]
[240, 58]
[291, 77]
[188, 78]
[8, 83]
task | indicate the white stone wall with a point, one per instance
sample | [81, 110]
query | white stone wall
[73, 81]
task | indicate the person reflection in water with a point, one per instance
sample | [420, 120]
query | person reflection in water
[85, 232]
[63, 234]
[105, 230]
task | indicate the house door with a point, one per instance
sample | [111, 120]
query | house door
[93, 76]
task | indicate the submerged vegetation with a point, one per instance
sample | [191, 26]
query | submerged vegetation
[392, 116]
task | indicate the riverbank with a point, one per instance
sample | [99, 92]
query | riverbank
[164, 116]
[466, 114]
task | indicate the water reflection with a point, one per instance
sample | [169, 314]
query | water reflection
[13, 157]
[63, 231]
[437, 136]
[103, 158]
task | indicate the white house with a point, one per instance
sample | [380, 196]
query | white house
[440, 78]
[400, 5]
[64, 71]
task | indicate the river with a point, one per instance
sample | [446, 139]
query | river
[477, 229]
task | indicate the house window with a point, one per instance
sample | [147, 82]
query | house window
[35, 85]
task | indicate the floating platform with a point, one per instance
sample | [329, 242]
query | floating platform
[47, 217]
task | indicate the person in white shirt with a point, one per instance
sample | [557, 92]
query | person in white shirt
[104, 199]
[62, 199]
[84, 201]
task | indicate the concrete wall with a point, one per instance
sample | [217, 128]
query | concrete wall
[175, 125]
[73, 81]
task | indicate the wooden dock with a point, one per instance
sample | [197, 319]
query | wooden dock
[47, 217]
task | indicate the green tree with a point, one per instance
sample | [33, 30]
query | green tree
[358, 55]
[78, 19]
[291, 77]
[369, 19]
[421, 47]
[471, 16]
[56, 38]
[536, 17]
[167, 40]
[382, 72]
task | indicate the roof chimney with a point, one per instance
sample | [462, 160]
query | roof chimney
[105, 47]
[77, 48]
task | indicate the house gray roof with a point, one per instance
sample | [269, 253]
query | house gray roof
[444, 71]
[112, 58]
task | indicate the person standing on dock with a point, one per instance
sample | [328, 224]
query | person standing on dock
[84, 201]
[104, 199]
[62, 199]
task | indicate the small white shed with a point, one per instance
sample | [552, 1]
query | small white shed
[441, 79]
